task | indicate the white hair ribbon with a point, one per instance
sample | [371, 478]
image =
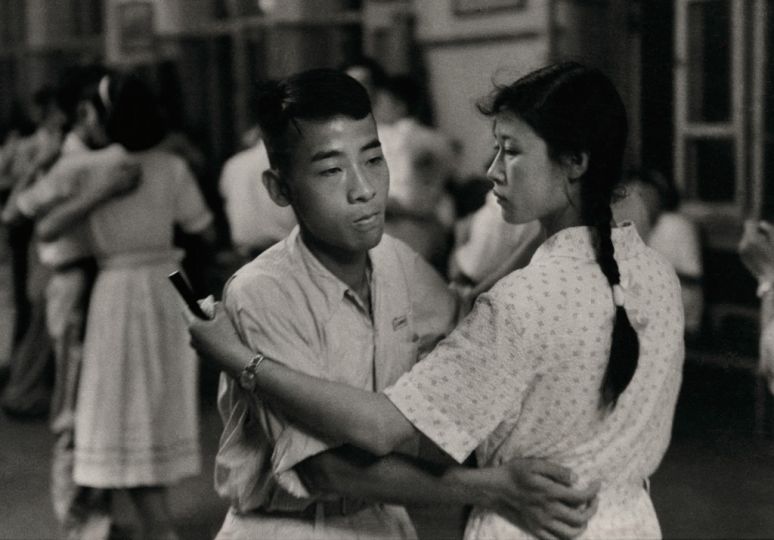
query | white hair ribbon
[618, 295]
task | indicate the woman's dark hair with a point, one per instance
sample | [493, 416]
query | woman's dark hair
[317, 94]
[81, 83]
[135, 119]
[576, 109]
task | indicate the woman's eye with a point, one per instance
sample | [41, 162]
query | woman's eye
[511, 151]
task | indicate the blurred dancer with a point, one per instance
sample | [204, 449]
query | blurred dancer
[28, 392]
[83, 512]
[255, 222]
[756, 249]
[136, 426]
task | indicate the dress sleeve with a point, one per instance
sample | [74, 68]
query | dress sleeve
[474, 380]
[191, 212]
[279, 335]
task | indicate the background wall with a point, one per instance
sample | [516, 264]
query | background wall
[463, 53]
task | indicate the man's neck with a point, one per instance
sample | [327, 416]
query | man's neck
[347, 266]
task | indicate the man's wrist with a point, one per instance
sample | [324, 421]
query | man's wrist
[475, 485]
[248, 375]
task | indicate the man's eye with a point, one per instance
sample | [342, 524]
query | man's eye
[375, 160]
[511, 151]
[330, 172]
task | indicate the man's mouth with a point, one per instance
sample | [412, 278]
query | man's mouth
[368, 220]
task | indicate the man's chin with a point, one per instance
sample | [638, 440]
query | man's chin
[373, 238]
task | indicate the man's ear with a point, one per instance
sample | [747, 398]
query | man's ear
[576, 165]
[278, 189]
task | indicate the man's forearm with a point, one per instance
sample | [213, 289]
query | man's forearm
[394, 478]
[57, 220]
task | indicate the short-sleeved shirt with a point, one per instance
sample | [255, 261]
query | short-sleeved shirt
[286, 304]
[521, 375]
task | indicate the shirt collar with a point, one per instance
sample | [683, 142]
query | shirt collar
[330, 285]
[578, 243]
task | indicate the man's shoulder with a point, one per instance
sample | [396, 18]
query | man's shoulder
[396, 258]
[268, 280]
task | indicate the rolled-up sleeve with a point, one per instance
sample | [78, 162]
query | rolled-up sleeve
[277, 334]
[471, 382]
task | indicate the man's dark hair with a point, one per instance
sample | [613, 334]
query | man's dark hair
[318, 94]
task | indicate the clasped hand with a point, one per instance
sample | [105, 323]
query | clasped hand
[216, 340]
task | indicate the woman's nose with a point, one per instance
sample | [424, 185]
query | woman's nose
[495, 171]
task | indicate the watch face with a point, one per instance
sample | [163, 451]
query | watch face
[247, 380]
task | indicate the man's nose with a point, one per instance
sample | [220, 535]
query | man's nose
[361, 187]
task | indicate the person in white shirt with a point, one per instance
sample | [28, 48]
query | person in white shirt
[255, 222]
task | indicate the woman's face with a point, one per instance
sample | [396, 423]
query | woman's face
[528, 184]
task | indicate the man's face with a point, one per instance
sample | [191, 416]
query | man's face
[337, 183]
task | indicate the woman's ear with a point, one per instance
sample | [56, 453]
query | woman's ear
[576, 165]
[277, 187]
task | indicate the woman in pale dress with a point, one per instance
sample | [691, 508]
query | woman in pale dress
[137, 419]
[576, 358]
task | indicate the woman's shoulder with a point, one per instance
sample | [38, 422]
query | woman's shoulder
[524, 286]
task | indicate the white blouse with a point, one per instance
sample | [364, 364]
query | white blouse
[521, 377]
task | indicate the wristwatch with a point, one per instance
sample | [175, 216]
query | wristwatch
[248, 375]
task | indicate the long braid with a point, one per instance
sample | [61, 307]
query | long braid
[577, 110]
[625, 344]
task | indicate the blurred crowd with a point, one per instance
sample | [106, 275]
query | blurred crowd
[93, 179]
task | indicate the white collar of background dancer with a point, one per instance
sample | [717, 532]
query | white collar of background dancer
[103, 89]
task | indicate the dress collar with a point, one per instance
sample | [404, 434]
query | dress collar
[578, 243]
